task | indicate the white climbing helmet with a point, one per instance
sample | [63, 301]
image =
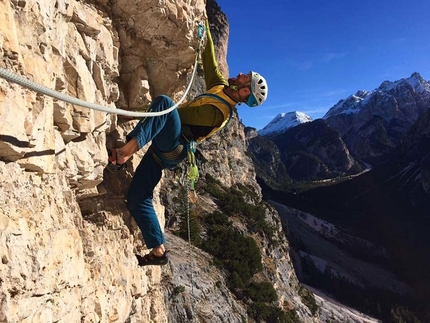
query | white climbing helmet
[258, 90]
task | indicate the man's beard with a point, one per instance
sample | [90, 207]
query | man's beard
[233, 81]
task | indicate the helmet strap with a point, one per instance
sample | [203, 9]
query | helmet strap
[239, 87]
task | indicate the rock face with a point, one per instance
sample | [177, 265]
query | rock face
[84, 63]
[67, 241]
[67, 248]
[61, 266]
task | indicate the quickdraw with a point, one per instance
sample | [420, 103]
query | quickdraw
[192, 171]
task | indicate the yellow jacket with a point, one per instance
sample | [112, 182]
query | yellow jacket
[210, 111]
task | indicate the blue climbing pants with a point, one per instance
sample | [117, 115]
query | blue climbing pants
[167, 150]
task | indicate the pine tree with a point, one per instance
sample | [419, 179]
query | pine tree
[188, 216]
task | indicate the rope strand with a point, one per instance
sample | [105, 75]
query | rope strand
[193, 304]
[18, 79]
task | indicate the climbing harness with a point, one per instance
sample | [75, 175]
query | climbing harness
[18, 79]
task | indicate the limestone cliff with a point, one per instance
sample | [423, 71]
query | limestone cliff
[67, 241]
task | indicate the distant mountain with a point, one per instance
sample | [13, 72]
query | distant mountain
[410, 167]
[350, 105]
[363, 129]
[388, 206]
[385, 210]
[284, 121]
[314, 151]
[267, 160]
[388, 91]
[308, 151]
[373, 123]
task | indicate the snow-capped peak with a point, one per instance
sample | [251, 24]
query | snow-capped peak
[351, 104]
[283, 121]
[415, 81]
[354, 103]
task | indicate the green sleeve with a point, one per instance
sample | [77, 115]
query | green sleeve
[213, 75]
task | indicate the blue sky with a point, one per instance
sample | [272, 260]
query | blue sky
[314, 53]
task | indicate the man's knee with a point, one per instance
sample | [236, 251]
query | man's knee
[161, 103]
[138, 202]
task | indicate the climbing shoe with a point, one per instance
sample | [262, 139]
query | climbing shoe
[151, 260]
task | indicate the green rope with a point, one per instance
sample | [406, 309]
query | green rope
[193, 171]
[193, 175]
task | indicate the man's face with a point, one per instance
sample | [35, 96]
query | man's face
[240, 79]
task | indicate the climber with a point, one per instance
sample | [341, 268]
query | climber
[171, 133]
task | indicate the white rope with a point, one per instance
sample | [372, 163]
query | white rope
[12, 77]
[18, 79]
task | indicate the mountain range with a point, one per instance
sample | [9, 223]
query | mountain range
[358, 132]
[364, 169]
[404, 99]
